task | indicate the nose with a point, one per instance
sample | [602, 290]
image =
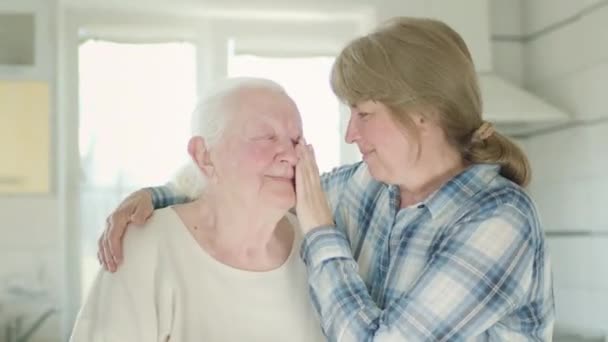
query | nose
[352, 132]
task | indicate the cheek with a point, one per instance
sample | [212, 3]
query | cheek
[381, 136]
[256, 158]
[239, 165]
[395, 146]
[404, 151]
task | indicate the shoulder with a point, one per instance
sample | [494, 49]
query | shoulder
[506, 204]
[343, 173]
[145, 240]
[503, 195]
[155, 225]
[351, 177]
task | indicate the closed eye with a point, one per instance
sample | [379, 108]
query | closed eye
[270, 137]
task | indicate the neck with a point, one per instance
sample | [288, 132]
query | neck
[240, 232]
[437, 170]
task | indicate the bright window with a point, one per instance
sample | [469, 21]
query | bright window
[135, 106]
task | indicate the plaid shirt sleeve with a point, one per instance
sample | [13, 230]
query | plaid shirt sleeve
[479, 275]
[164, 196]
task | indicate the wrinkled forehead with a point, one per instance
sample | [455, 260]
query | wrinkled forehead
[251, 106]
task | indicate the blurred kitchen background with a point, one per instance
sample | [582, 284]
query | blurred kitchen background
[96, 95]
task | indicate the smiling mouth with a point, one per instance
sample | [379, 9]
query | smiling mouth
[282, 179]
[367, 154]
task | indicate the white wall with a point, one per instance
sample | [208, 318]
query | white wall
[566, 62]
[31, 237]
[507, 46]
[570, 187]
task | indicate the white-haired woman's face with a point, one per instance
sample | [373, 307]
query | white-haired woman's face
[255, 160]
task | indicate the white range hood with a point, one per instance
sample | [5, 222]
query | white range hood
[506, 103]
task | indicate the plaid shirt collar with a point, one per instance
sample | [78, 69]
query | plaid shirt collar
[458, 189]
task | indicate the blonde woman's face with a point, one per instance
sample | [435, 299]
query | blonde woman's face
[386, 147]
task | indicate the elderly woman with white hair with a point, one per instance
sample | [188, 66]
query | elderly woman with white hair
[224, 267]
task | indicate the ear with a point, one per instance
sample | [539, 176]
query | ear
[425, 119]
[419, 120]
[200, 154]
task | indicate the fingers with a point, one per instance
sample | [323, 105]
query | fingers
[299, 174]
[114, 241]
[313, 161]
[109, 245]
[304, 151]
[113, 237]
[302, 167]
[108, 260]
[136, 208]
[306, 156]
[103, 254]
[100, 256]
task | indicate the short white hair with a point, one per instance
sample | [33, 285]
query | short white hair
[209, 121]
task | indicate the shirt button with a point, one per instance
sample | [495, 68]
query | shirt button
[420, 206]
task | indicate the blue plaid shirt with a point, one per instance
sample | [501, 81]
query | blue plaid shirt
[468, 263]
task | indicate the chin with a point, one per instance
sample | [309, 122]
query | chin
[280, 194]
[289, 199]
[378, 174]
[284, 203]
[284, 199]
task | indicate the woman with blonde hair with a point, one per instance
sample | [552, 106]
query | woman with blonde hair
[432, 236]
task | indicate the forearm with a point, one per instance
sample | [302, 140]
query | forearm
[346, 310]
